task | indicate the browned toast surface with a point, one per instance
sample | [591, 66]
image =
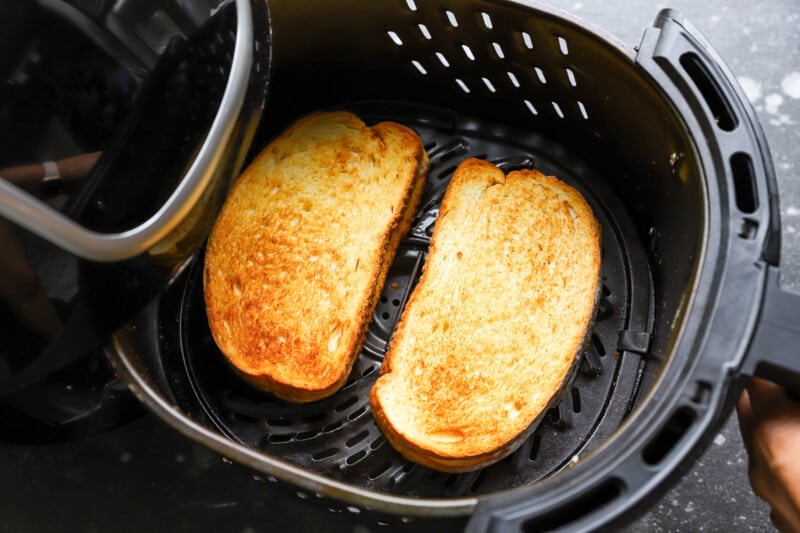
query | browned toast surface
[497, 321]
[298, 255]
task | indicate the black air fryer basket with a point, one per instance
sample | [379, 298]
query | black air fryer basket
[665, 148]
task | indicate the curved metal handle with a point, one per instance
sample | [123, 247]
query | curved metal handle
[30, 213]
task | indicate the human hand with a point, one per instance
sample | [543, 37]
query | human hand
[71, 169]
[769, 421]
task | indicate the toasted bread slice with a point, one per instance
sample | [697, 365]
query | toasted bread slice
[298, 256]
[494, 329]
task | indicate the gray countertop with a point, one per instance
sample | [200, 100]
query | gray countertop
[114, 482]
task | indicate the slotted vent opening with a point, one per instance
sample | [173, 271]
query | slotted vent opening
[712, 94]
[527, 40]
[744, 183]
[582, 110]
[395, 38]
[498, 50]
[563, 46]
[571, 77]
[665, 440]
[468, 52]
[451, 18]
[423, 29]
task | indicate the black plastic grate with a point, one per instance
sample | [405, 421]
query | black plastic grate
[337, 436]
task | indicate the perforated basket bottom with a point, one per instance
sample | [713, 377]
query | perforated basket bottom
[338, 436]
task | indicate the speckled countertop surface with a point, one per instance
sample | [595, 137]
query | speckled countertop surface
[145, 476]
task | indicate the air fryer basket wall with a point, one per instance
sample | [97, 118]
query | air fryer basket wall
[661, 137]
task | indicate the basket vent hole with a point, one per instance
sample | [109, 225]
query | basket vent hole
[411, 5]
[487, 20]
[557, 109]
[345, 404]
[562, 45]
[358, 438]
[462, 85]
[540, 75]
[443, 60]
[324, 454]
[419, 67]
[331, 427]
[665, 440]
[513, 79]
[468, 52]
[306, 435]
[489, 85]
[358, 412]
[536, 441]
[582, 109]
[527, 40]
[576, 400]
[598, 345]
[451, 18]
[571, 77]
[423, 29]
[530, 107]
[278, 438]
[395, 38]
[744, 183]
[498, 50]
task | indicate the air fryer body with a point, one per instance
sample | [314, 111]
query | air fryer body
[668, 153]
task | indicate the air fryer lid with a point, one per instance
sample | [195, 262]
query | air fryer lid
[667, 151]
[173, 126]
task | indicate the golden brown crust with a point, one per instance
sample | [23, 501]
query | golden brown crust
[296, 260]
[496, 323]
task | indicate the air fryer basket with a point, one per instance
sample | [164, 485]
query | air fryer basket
[664, 147]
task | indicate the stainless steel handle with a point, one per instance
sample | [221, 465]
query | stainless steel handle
[34, 215]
